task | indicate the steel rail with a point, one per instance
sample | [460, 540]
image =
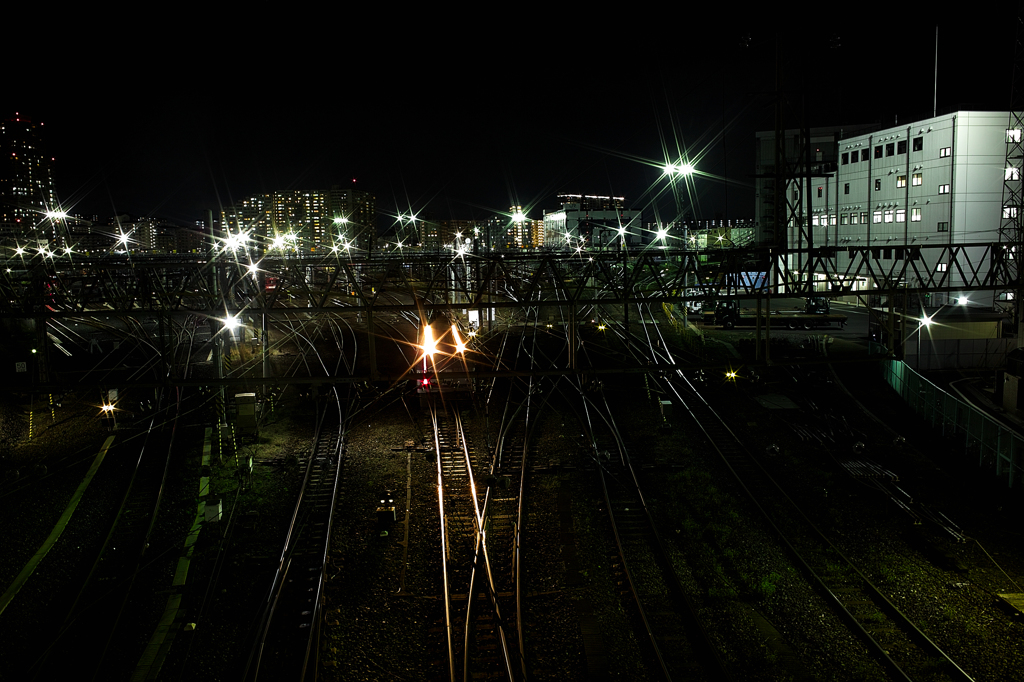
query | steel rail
[915, 634]
[479, 552]
[292, 542]
[116, 565]
[709, 657]
[434, 418]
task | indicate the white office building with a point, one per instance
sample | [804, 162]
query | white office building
[933, 182]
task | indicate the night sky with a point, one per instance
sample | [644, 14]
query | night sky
[169, 119]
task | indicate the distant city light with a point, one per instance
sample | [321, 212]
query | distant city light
[460, 346]
[236, 241]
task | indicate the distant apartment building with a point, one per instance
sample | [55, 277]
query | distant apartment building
[127, 234]
[354, 215]
[252, 215]
[306, 221]
[27, 190]
[193, 239]
[537, 233]
[521, 231]
[91, 239]
[502, 232]
[694, 233]
[440, 234]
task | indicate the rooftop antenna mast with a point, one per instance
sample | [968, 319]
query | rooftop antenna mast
[935, 81]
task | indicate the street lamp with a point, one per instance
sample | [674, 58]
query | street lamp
[925, 323]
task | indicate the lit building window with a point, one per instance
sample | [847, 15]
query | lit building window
[901, 181]
[888, 216]
[901, 215]
[917, 180]
[876, 217]
[945, 151]
[915, 215]
[1012, 173]
[1013, 135]
[943, 189]
[940, 267]
[1009, 211]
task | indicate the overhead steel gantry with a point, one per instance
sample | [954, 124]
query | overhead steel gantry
[209, 286]
[169, 287]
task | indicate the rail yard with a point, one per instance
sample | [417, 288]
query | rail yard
[348, 476]
[676, 525]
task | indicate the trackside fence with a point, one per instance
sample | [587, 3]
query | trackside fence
[998, 448]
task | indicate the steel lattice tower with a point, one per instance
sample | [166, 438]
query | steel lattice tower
[1010, 233]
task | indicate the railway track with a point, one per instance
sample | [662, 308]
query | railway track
[104, 606]
[901, 647]
[285, 645]
[666, 619]
[481, 509]
[906, 651]
[478, 641]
